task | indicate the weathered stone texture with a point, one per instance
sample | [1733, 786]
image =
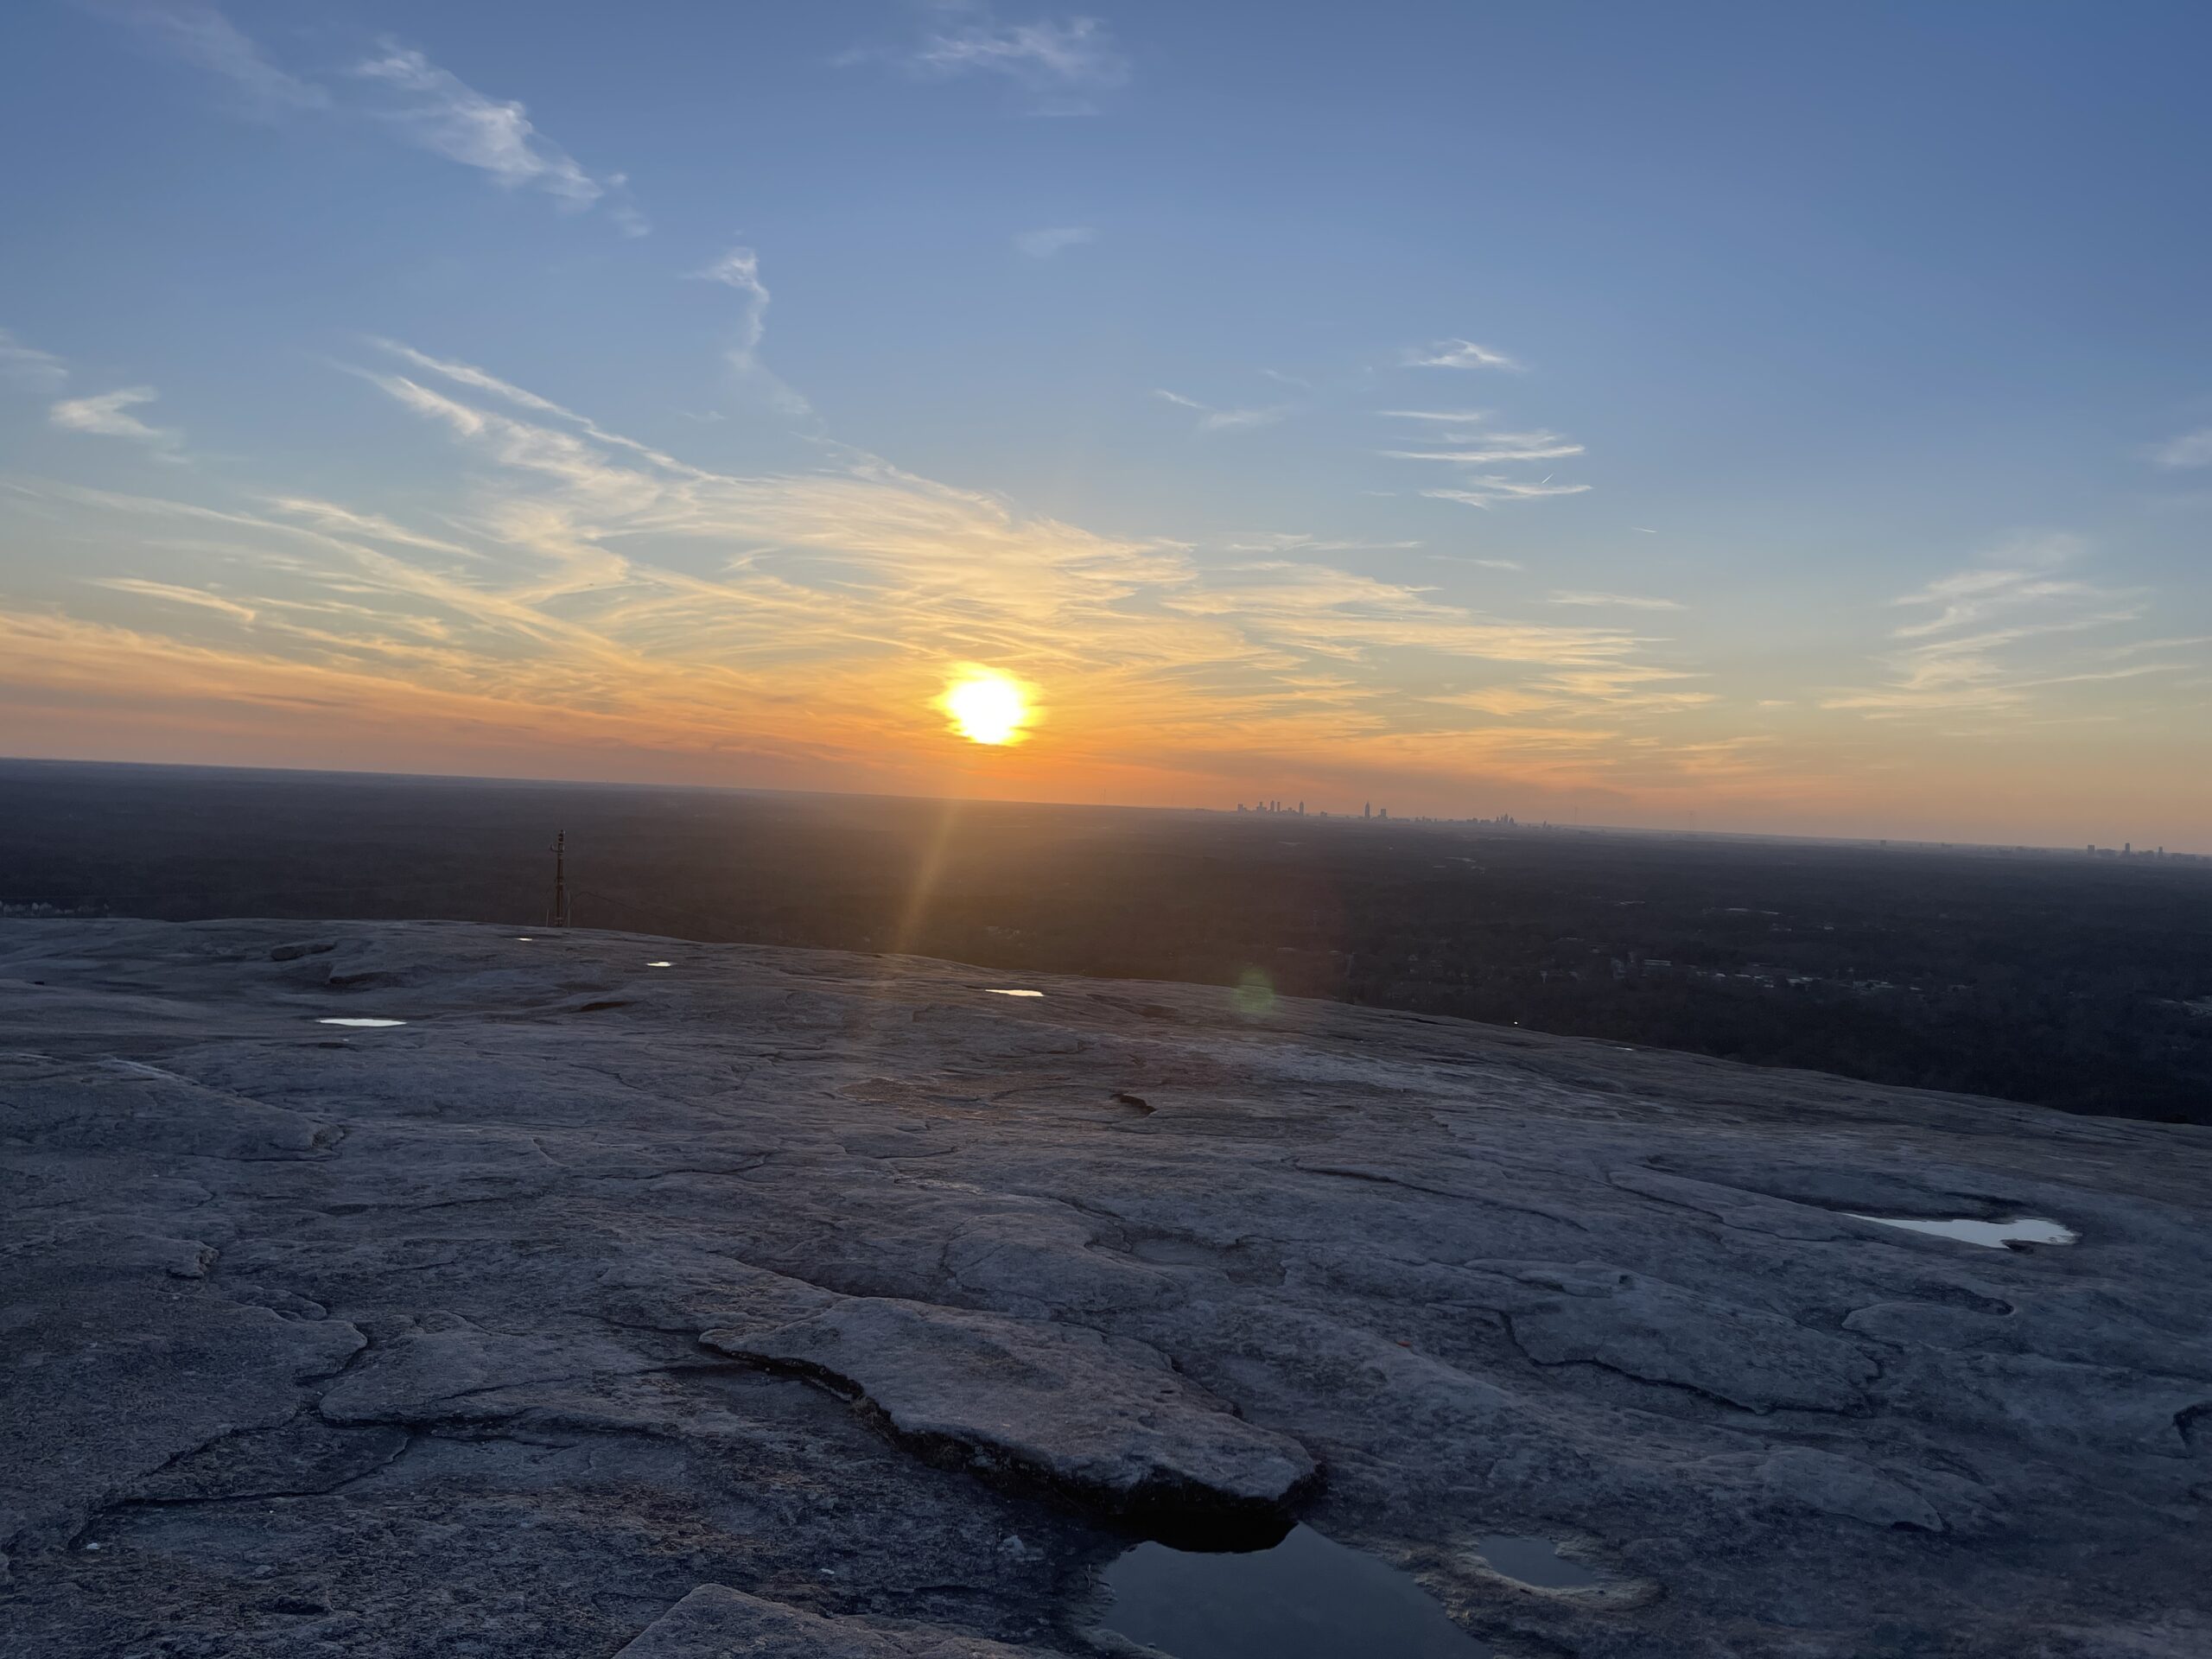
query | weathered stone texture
[791, 1303]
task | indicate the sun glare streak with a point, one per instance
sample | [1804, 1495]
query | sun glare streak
[987, 706]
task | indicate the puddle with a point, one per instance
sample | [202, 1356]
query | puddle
[660, 965]
[1995, 1234]
[1305, 1599]
[992, 990]
[1535, 1562]
[360, 1024]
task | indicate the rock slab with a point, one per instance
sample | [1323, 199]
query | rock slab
[388, 1344]
[714, 1622]
[1105, 1421]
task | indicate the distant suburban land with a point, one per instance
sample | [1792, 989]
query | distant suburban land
[2056, 977]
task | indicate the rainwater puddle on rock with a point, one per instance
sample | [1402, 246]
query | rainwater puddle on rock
[1305, 1599]
[1994, 1235]
[361, 1024]
[992, 990]
[1535, 1562]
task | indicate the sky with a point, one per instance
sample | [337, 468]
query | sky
[1772, 418]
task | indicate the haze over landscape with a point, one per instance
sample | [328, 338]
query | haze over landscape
[1750, 418]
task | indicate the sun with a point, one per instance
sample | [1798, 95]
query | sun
[987, 706]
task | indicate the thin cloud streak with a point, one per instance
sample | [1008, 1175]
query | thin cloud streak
[2001, 633]
[1460, 354]
[1057, 65]
[1269, 541]
[202, 36]
[439, 111]
[2189, 449]
[29, 366]
[1487, 492]
[107, 416]
[1043, 243]
[741, 269]
[1632, 601]
[427, 105]
[1224, 420]
[1455, 417]
[1511, 445]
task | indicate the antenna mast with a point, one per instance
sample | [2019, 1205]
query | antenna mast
[559, 917]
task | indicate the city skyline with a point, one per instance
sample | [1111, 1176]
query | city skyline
[1766, 423]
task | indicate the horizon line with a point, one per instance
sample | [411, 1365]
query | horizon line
[1541, 826]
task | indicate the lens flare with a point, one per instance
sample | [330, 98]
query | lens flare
[987, 706]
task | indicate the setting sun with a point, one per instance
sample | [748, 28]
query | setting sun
[987, 706]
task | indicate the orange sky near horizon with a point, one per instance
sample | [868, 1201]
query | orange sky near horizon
[90, 691]
[583, 604]
[694, 397]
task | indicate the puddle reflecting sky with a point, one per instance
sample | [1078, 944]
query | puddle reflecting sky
[1305, 1599]
[1534, 1562]
[992, 990]
[1995, 1234]
[361, 1023]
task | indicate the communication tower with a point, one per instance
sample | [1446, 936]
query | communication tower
[559, 915]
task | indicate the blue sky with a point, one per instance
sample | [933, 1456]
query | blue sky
[1774, 418]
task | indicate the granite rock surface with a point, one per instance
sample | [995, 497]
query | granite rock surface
[795, 1303]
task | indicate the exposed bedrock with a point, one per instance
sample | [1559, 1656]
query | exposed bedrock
[791, 1303]
[1102, 1420]
[714, 1622]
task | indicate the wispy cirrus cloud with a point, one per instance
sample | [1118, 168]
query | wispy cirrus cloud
[740, 268]
[437, 110]
[170, 593]
[1275, 541]
[396, 85]
[594, 590]
[2187, 449]
[1342, 613]
[477, 379]
[1495, 446]
[1459, 355]
[1224, 420]
[204, 37]
[1043, 243]
[1488, 491]
[2025, 579]
[29, 366]
[1056, 65]
[1629, 602]
[108, 415]
[1452, 416]
[1618, 689]
[1994, 636]
[1434, 444]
